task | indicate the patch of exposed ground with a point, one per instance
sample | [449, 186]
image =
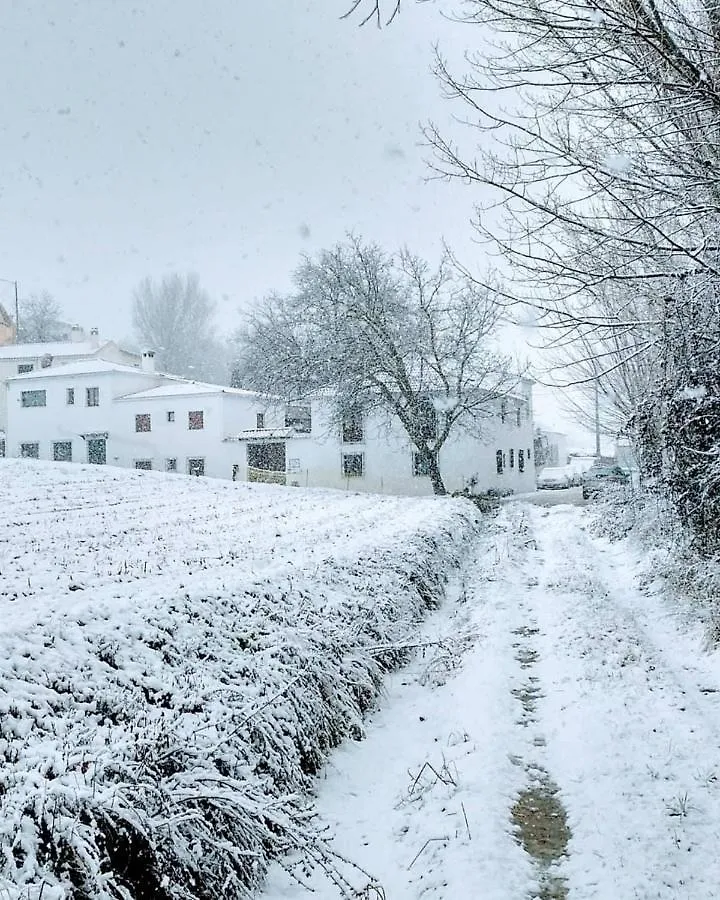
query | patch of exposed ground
[538, 815]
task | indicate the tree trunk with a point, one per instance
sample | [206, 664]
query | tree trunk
[434, 472]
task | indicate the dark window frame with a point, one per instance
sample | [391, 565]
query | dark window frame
[65, 457]
[25, 398]
[353, 428]
[92, 396]
[195, 416]
[347, 466]
[141, 421]
[192, 465]
[35, 454]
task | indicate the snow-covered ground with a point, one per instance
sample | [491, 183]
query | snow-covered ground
[558, 699]
[177, 658]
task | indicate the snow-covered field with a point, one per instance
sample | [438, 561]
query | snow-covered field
[180, 659]
[177, 658]
[559, 705]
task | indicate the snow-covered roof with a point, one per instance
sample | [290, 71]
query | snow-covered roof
[266, 434]
[81, 367]
[53, 348]
[179, 387]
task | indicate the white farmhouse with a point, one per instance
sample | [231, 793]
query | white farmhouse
[19, 359]
[102, 412]
[373, 453]
[184, 426]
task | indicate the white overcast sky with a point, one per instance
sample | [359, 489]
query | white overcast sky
[225, 137]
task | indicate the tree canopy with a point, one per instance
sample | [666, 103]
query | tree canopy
[382, 332]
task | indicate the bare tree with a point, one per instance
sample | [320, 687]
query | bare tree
[174, 317]
[40, 320]
[600, 126]
[375, 10]
[385, 333]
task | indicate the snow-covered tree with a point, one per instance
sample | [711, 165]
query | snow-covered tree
[41, 320]
[383, 332]
[175, 318]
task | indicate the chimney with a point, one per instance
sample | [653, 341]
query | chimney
[148, 361]
[95, 337]
[77, 334]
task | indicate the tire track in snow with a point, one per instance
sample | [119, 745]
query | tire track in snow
[631, 737]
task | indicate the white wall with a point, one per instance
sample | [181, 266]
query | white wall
[58, 421]
[224, 413]
[467, 460]
[9, 364]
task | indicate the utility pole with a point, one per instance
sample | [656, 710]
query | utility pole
[17, 306]
[17, 314]
[597, 419]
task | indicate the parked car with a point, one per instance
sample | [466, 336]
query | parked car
[597, 478]
[553, 478]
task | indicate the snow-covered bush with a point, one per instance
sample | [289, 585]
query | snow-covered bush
[162, 745]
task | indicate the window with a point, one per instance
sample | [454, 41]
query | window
[503, 410]
[171, 465]
[24, 368]
[32, 398]
[30, 451]
[299, 418]
[70, 396]
[521, 460]
[92, 396]
[512, 459]
[421, 464]
[195, 420]
[46, 361]
[196, 466]
[144, 464]
[97, 451]
[529, 455]
[352, 428]
[260, 421]
[62, 451]
[2, 447]
[171, 415]
[352, 465]
[142, 422]
[518, 413]
[499, 462]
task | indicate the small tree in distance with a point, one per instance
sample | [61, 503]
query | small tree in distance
[174, 317]
[384, 333]
[41, 320]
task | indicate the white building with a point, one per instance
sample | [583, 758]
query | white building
[186, 426]
[19, 359]
[373, 453]
[104, 412]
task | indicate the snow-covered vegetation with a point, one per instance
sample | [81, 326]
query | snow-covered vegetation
[177, 658]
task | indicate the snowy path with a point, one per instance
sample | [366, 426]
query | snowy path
[550, 667]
